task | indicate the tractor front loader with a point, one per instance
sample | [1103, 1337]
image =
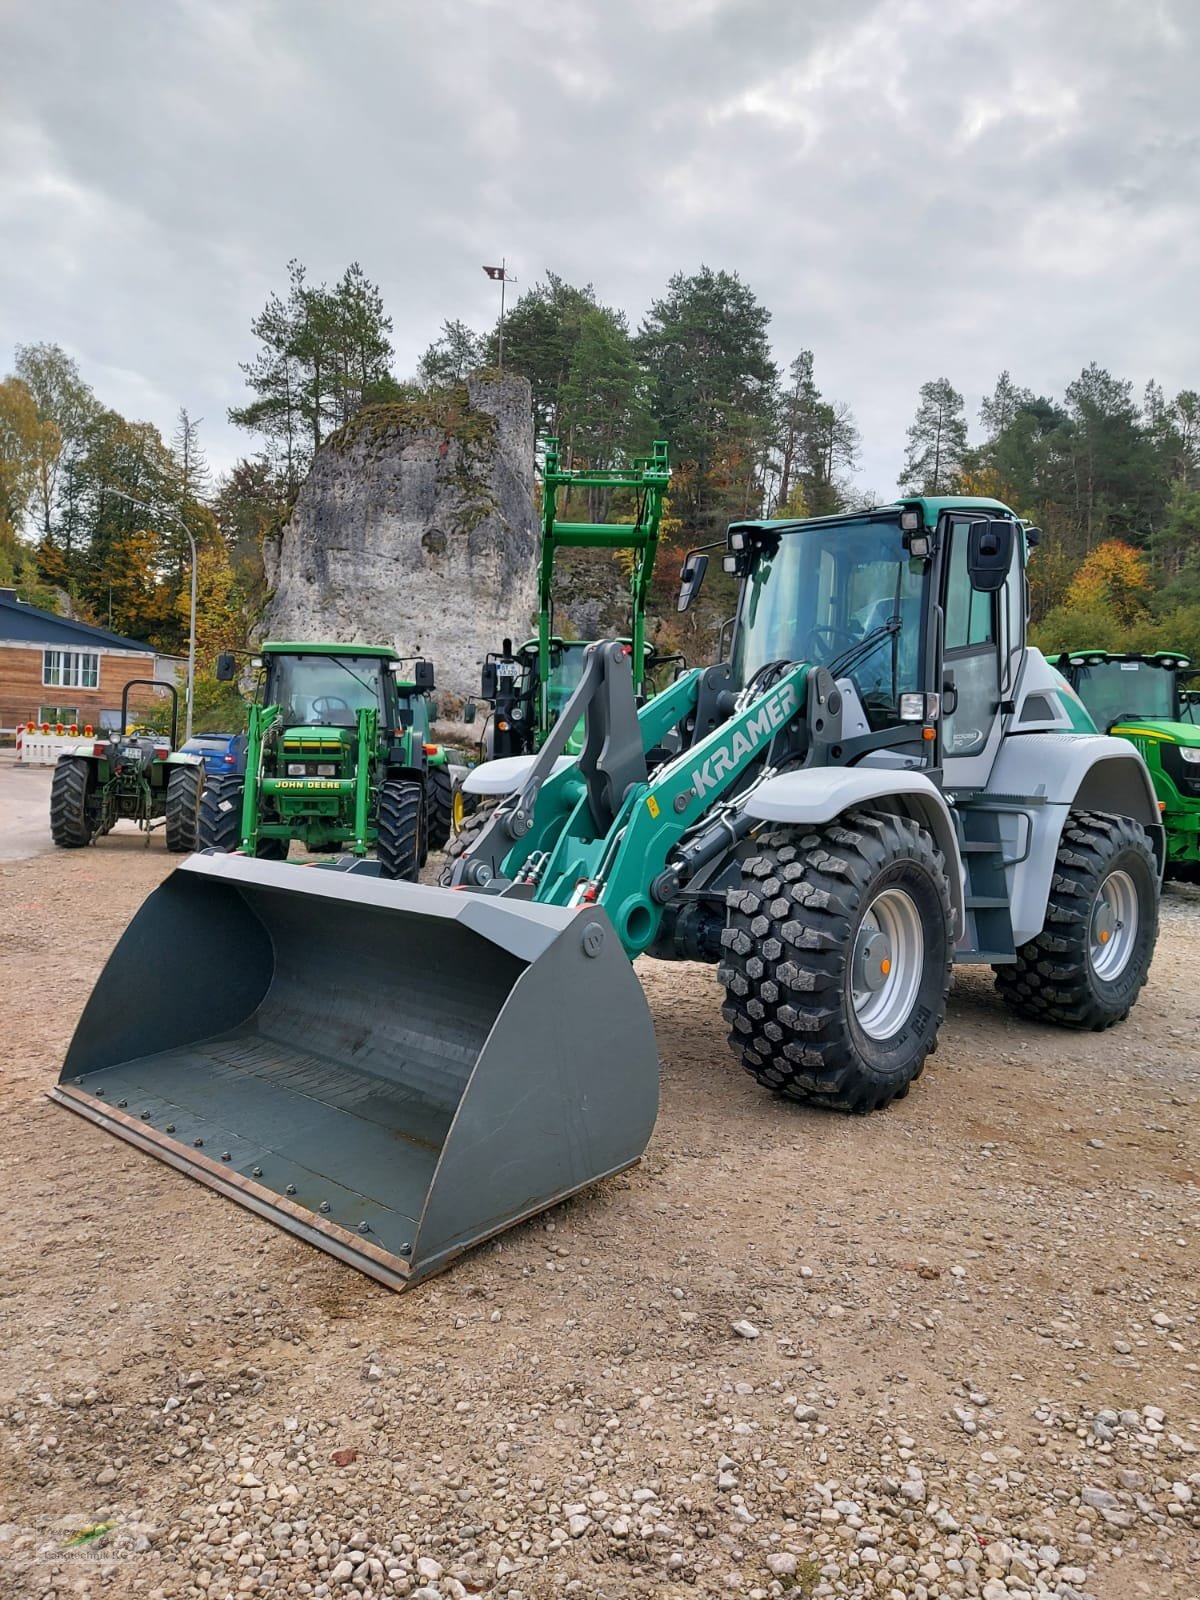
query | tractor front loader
[132, 774]
[339, 757]
[882, 780]
[1148, 700]
[528, 687]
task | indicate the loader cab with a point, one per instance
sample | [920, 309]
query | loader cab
[919, 611]
[842, 593]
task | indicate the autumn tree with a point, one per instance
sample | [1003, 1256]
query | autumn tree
[937, 441]
[68, 408]
[1115, 578]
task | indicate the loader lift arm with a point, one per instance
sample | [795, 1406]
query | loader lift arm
[607, 831]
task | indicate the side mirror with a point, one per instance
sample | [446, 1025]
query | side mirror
[690, 580]
[487, 681]
[226, 667]
[468, 712]
[423, 675]
[990, 553]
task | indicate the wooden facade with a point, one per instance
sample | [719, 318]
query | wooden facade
[24, 694]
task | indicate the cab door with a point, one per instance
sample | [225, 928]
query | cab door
[983, 635]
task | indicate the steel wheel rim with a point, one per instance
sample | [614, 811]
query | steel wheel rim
[1113, 928]
[886, 963]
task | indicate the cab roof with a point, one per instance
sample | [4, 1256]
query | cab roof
[930, 506]
[302, 648]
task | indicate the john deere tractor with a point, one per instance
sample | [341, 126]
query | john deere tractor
[1150, 700]
[338, 756]
[132, 774]
[882, 781]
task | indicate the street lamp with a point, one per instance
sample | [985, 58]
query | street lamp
[191, 671]
[499, 274]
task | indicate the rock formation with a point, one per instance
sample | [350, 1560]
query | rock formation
[416, 527]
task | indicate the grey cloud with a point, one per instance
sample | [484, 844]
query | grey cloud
[914, 189]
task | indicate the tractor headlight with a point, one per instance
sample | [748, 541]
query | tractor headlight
[912, 708]
[730, 563]
[1190, 755]
[295, 769]
[737, 540]
[326, 770]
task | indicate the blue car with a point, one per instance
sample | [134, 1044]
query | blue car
[220, 752]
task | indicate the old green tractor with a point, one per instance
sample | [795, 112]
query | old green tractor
[1145, 699]
[133, 774]
[339, 757]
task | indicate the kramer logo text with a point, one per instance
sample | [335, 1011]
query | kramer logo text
[726, 758]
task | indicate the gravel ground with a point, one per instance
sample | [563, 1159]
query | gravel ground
[950, 1350]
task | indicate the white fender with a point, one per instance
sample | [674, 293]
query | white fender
[819, 794]
[506, 774]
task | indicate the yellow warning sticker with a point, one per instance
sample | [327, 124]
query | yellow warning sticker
[651, 805]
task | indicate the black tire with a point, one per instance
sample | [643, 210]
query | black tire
[401, 828]
[72, 809]
[221, 814]
[439, 807]
[185, 787]
[221, 820]
[1058, 977]
[473, 824]
[798, 933]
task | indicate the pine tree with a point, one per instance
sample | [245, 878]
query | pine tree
[937, 441]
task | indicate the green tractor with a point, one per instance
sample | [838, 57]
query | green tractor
[882, 781]
[131, 773]
[338, 756]
[1144, 698]
[527, 687]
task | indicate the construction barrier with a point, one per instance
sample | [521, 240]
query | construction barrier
[41, 746]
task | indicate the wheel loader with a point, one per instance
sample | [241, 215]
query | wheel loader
[338, 756]
[881, 781]
[1148, 700]
[130, 773]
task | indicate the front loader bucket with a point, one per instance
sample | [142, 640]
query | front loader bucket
[391, 1072]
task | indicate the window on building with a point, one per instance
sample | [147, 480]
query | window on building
[64, 714]
[70, 669]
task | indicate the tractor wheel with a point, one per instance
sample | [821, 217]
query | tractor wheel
[185, 786]
[469, 829]
[72, 823]
[837, 957]
[1088, 964]
[439, 806]
[221, 820]
[221, 814]
[401, 829]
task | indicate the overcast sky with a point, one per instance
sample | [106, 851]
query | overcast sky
[915, 188]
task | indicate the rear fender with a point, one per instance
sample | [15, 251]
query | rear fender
[816, 795]
[1062, 772]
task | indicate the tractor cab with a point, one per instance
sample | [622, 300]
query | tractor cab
[316, 686]
[1131, 687]
[512, 681]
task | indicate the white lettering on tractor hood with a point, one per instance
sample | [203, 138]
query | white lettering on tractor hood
[770, 715]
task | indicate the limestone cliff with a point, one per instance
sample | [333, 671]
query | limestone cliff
[416, 527]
